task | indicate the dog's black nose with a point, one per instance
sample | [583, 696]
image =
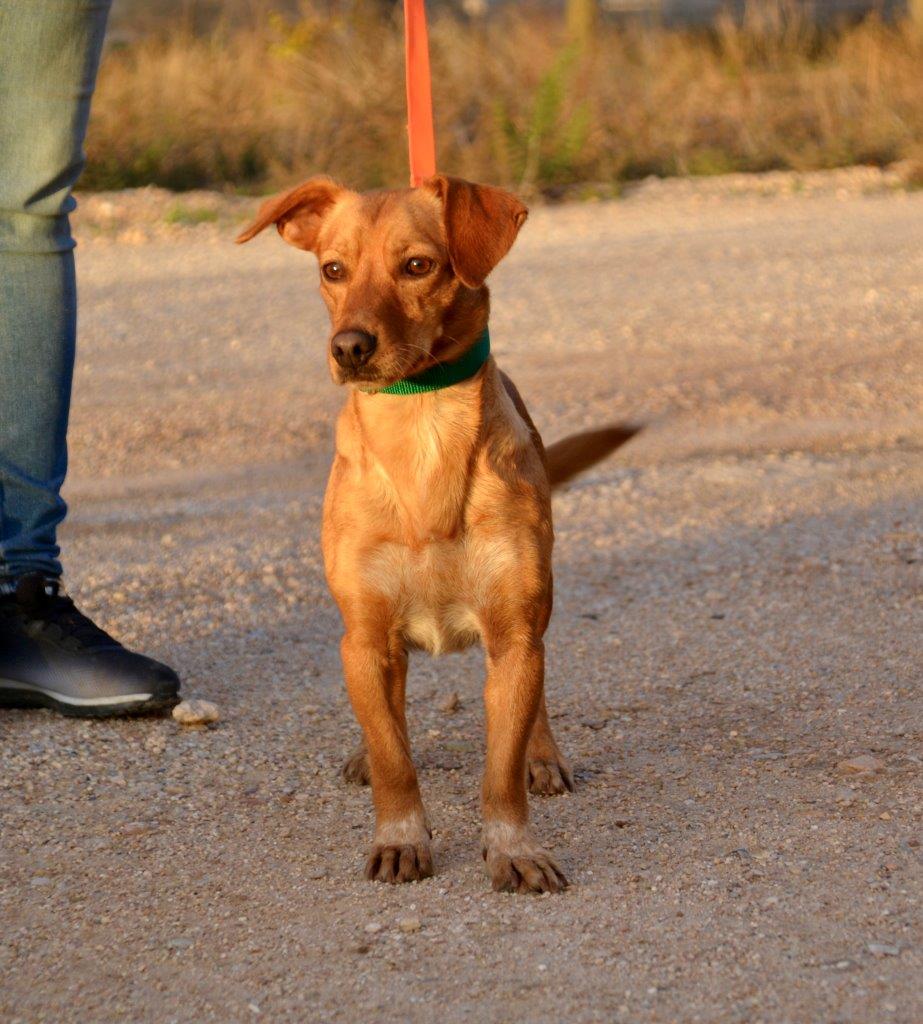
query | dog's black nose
[352, 349]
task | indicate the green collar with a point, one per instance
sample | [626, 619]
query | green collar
[444, 375]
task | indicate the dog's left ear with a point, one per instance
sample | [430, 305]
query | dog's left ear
[481, 223]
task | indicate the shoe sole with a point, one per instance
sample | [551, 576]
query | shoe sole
[15, 694]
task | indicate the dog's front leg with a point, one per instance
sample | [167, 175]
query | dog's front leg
[376, 673]
[512, 697]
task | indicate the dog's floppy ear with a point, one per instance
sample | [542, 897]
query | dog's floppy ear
[298, 213]
[481, 223]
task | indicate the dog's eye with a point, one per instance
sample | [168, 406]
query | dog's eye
[417, 266]
[334, 270]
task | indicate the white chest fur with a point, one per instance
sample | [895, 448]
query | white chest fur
[442, 591]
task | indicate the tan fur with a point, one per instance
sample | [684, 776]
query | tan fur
[437, 529]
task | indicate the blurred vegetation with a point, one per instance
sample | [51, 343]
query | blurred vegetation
[517, 100]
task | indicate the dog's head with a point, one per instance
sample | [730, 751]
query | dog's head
[402, 272]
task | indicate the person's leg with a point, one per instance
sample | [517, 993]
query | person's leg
[49, 53]
[51, 655]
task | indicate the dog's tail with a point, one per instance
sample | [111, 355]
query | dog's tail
[572, 455]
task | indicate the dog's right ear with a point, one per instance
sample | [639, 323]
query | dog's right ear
[297, 214]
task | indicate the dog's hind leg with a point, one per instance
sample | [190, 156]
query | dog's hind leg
[549, 772]
[355, 769]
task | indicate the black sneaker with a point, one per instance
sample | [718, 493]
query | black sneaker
[51, 655]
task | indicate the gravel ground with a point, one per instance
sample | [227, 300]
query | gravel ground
[738, 618]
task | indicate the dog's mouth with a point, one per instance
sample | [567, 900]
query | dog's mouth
[376, 377]
[364, 376]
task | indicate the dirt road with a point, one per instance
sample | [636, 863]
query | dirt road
[738, 614]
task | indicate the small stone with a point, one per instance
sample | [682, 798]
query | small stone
[451, 704]
[156, 743]
[179, 943]
[864, 764]
[373, 927]
[196, 713]
[409, 924]
[845, 795]
[317, 874]
[40, 882]
[883, 949]
[137, 828]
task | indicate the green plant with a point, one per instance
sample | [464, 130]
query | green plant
[547, 147]
[181, 214]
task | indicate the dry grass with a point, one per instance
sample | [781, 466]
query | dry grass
[258, 107]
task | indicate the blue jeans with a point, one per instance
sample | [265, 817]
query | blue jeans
[49, 53]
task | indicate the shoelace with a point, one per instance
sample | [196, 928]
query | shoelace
[41, 606]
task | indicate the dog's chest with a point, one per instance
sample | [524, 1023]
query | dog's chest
[443, 592]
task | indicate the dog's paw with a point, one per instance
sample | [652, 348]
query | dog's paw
[355, 768]
[401, 851]
[535, 872]
[516, 864]
[411, 862]
[550, 778]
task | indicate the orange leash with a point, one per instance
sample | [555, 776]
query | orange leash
[420, 136]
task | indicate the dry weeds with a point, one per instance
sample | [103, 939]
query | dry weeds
[255, 107]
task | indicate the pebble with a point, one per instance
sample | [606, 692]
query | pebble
[156, 743]
[137, 828]
[883, 949]
[861, 765]
[373, 927]
[410, 924]
[196, 713]
[451, 704]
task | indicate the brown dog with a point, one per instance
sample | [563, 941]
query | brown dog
[437, 521]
